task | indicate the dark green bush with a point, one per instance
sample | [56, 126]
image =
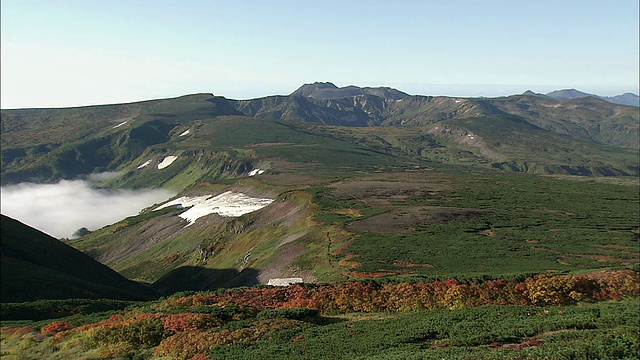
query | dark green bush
[292, 314]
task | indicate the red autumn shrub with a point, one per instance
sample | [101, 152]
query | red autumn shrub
[55, 327]
[189, 321]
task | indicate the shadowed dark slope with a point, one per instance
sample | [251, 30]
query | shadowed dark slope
[37, 266]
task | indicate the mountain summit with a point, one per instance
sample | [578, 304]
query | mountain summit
[327, 90]
[568, 94]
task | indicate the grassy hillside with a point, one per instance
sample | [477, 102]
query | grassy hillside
[37, 266]
[589, 118]
[502, 142]
[424, 223]
[280, 240]
[48, 144]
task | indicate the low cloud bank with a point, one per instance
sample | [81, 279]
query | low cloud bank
[61, 209]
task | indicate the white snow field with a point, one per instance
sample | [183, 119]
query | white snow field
[167, 161]
[144, 164]
[255, 172]
[186, 132]
[122, 123]
[228, 204]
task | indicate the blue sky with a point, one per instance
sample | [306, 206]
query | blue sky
[68, 53]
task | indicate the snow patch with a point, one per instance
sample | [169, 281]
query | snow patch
[144, 164]
[186, 132]
[227, 204]
[122, 123]
[255, 172]
[167, 161]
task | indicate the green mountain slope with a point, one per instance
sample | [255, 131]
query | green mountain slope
[281, 240]
[590, 119]
[48, 144]
[37, 266]
[434, 222]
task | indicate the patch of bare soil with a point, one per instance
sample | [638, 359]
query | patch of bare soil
[284, 173]
[347, 261]
[410, 265]
[408, 219]
[292, 238]
[538, 248]
[271, 144]
[283, 266]
[284, 212]
[392, 191]
[378, 192]
[136, 239]
[618, 246]
[556, 212]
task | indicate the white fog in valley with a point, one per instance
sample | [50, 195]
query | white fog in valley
[61, 209]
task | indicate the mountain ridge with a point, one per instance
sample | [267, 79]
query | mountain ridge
[628, 99]
[48, 144]
[328, 90]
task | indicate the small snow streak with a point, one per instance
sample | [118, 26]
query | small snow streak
[186, 132]
[144, 164]
[255, 172]
[122, 123]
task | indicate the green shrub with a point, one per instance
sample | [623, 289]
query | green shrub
[292, 314]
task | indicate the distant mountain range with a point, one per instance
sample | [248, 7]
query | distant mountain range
[581, 135]
[570, 94]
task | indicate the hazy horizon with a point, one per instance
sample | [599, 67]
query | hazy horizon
[77, 53]
[488, 91]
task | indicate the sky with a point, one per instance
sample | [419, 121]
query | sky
[59, 53]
